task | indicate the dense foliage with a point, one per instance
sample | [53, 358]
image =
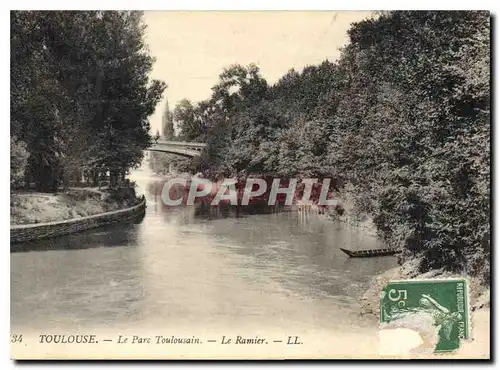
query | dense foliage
[18, 161]
[80, 94]
[403, 118]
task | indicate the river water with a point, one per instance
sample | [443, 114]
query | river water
[278, 272]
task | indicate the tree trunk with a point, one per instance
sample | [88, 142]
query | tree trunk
[113, 177]
[95, 178]
[65, 180]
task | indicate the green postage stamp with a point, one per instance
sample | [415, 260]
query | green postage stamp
[442, 304]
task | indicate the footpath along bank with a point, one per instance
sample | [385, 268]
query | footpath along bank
[39, 215]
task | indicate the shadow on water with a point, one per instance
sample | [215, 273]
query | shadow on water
[116, 235]
[203, 210]
[209, 212]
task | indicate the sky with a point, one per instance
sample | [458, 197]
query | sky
[192, 47]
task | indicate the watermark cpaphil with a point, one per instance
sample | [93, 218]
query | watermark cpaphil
[178, 191]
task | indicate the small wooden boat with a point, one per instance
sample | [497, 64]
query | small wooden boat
[371, 252]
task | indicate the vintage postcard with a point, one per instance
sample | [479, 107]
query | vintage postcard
[250, 185]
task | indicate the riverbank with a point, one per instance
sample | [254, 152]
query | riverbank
[34, 208]
[74, 202]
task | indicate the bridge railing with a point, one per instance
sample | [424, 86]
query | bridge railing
[190, 149]
[182, 143]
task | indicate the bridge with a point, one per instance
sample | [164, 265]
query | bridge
[182, 148]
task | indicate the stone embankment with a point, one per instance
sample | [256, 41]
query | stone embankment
[37, 216]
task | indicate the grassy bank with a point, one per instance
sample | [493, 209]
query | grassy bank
[34, 207]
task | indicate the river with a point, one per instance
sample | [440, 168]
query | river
[277, 272]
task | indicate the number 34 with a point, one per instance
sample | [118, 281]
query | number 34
[15, 338]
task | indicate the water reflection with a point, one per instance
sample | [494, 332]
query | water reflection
[105, 236]
[195, 266]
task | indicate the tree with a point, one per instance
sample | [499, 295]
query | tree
[238, 87]
[80, 93]
[35, 97]
[408, 129]
[402, 119]
[18, 162]
[185, 117]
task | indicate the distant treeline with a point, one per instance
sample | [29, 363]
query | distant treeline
[402, 117]
[80, 96]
